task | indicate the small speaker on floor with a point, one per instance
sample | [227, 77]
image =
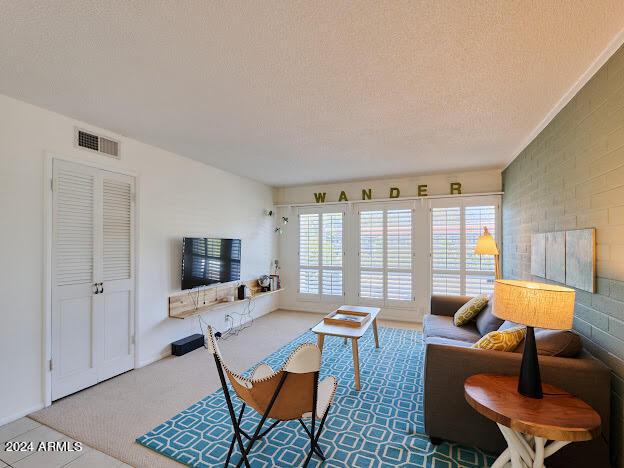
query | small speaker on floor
[186, 345]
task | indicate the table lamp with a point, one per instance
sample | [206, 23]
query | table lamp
[534, 305]
[486, 245]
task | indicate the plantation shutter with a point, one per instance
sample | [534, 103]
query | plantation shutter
[74, 230]
[455, 269]
[309, 253]
[117, 229]
[321, 254]
[372, 254]
[399, 254]
[332, 253]
[446, 250]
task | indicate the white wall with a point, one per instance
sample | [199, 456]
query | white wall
[177, 197]
[439, 184]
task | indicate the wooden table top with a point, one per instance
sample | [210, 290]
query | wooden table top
[346, 331]
[557, 416]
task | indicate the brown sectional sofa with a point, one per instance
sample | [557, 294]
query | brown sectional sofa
[449, 360]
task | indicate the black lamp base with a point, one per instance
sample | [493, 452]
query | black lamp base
[530, 383]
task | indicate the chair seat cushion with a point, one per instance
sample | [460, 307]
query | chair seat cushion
[443, 327]
[448, 342]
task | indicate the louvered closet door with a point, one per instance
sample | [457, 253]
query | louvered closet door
[74, 360]
[93, 276]
[116, 324]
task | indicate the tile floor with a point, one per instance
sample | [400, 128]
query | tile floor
[27, 430]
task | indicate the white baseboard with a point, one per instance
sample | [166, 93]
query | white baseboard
[21, 414]
[155, 357]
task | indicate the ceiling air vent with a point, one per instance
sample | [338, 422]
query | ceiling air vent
[97, 143]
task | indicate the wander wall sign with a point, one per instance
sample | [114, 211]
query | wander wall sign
[455, 188]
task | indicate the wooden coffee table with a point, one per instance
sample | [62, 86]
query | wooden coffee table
[354, 333]
[528, 423]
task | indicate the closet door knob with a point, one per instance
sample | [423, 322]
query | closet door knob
[101, 288]
[96, 291]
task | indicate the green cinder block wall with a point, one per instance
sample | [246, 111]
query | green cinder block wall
[572, 176]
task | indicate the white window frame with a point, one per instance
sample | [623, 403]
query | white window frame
[463, 202]
[320, 297]
[385, 206]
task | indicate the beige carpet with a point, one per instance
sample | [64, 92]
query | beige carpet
[112, 414]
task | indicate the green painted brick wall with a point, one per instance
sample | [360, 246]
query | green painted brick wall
[572, 176]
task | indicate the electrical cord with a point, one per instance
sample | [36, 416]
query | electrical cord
[245, 320]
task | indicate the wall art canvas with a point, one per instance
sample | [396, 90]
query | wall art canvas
[581, 259]
[555, 256]
[538, 255]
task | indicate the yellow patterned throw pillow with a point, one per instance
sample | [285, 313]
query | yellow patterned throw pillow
[470, 310]
[505, 340]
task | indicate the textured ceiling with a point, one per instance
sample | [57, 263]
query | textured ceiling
[296, 92]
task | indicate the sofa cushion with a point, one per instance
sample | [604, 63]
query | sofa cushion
[487, 321]
[470, 310]
[561, 343]
[506, 340]
[443, 327]
[448, 342]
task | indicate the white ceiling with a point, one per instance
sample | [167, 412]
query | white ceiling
[290, 92]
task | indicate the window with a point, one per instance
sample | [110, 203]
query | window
[386, 255]
[320, 254]
[454, 232]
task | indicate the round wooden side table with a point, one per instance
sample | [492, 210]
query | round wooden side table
[528, 424]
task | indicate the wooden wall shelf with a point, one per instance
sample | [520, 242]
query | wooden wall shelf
[194, 302]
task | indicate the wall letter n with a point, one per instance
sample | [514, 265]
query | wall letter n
[320, 197]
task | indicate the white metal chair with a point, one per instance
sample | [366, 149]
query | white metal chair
[284, 395]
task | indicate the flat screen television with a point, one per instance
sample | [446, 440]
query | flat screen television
[208, 261]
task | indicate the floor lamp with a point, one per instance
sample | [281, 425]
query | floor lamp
[486, 245]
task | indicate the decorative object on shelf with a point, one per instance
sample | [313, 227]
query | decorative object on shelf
[486, 245]
[347, 318]
[534, 305]
[265, 283]
[242, 292]
[276, 268]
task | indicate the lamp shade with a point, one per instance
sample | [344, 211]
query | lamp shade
[486, 245]
[534, 304]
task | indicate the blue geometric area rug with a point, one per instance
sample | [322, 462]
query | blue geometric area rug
[379, 426]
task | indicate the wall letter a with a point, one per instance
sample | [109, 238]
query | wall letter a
[320, 197]
[343, 196]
